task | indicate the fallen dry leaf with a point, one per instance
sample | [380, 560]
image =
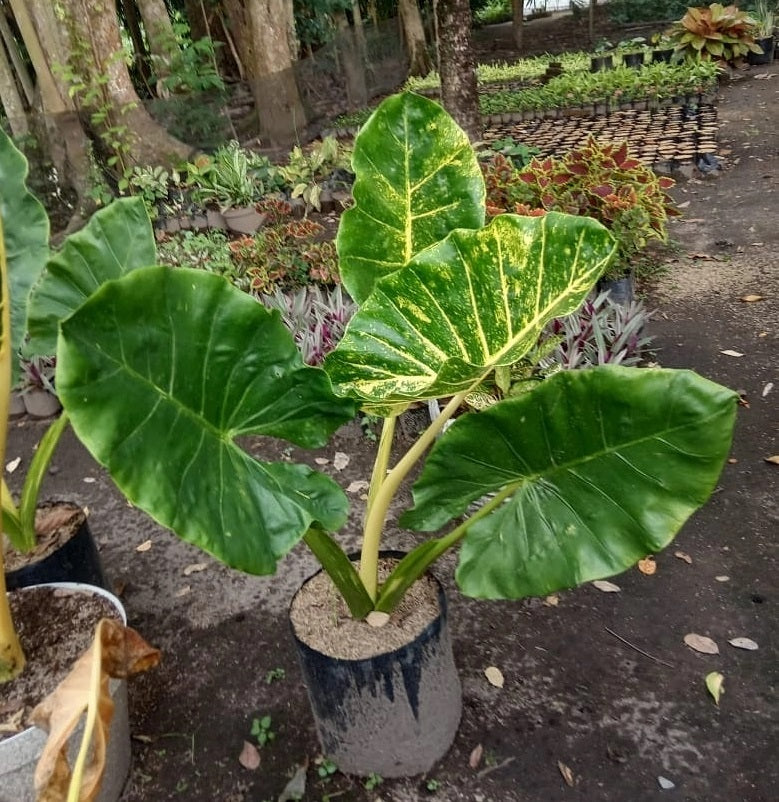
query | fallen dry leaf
[321, 460]
[700, 643]
[250, 756]
[606, 586]
[475, 757]
[13, 465]
[341, 460]
[763, 76]
[552, 601]
[774, 460]
[744, 643]
[731, 352]
[665, 783]
[648, 565]
[494, 676]
[145, 546]
[182, 592]
[750, 299]
[732, 461]
[722, 578]
[767, 389]
[13, 723]
[195, 568]
[89, 480]
[682, 555]
[357, 486]
[714, 685]
[567, 773]
[117, 651]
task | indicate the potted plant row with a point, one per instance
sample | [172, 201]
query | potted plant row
[578, 479]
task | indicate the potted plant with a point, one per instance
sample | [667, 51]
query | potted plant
[662, 48]
[23, 251]
[603, 58]
[764, 15]
[718, 32]
[164, 368]
[633, 51]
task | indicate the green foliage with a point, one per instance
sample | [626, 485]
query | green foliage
[262, 730]
[197, 118]
[191, 65]
[152, 185]
[493, 12]
[624, 11]
[598, 180]
[306, 169]
[716, 32]
[372, 781]
[519, 153]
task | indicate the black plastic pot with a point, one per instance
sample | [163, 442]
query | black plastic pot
[662, 55]
[621, 290]
[77, 560]
[394, 714]
[767, 56]
[601, 63]
[634, 60]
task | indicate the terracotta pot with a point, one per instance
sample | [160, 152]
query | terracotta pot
[19, 753]
[242, 219]
[41, 403]
[394, 714]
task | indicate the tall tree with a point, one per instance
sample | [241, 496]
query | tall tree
[10, 98]
[116, 113]
[414, 33]
[458, 73]
[160, 36]
[351, 61]
[518, 24]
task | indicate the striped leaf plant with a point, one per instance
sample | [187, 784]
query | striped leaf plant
[162, 370]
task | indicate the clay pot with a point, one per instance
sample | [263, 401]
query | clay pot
[394, 714]
[41, 403]
[242, 219]
[19, 754]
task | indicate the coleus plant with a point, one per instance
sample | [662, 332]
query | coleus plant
[162, 370]
[598, 179]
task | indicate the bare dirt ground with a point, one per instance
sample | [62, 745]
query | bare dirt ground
[617, 713]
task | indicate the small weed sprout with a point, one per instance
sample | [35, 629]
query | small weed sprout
[261, 730]
[275, 674]
[372, 781]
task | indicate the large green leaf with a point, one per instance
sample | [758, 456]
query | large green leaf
[115, 241]
[417, 178]
[600, 467]
[160, 371]
[477, 300]
[26, 231]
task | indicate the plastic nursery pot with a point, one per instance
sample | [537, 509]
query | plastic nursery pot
[75, 560]
[634, 60]
[767, 56]
[394, 714]
[19, 753]
[664, 54]
[621, 290]
[601, 63]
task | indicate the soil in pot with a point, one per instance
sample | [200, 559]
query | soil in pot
[386, 700]
[65, 550]
[55, 627]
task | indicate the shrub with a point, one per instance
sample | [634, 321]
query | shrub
[723, 33]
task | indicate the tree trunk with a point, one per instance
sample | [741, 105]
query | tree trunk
[458, 75]
[275, 90]
[141, 58]
[354, 71]
[160, 36]
[19, 67]
[96, 50]
[414, 32]
[10, 98]
[518, 24]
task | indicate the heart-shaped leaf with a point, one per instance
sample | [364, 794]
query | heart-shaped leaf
[25, 228]
[475, 301]
[593, 469]
[115, 241]
[417, 178]
[160, 371]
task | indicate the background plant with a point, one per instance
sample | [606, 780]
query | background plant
[724, 33]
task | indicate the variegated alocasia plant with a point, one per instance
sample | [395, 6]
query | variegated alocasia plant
[163, 369]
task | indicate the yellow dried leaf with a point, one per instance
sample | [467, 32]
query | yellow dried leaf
[647, 566]
[731, 352]
[195, 568]
[774, 460]
[145, 546]
[476, 755]
[552, 601]
[750, 299]
[683, 555]
[494, 676]
[715, 685]
[117, 651]
[605, 586]
[376, 618]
